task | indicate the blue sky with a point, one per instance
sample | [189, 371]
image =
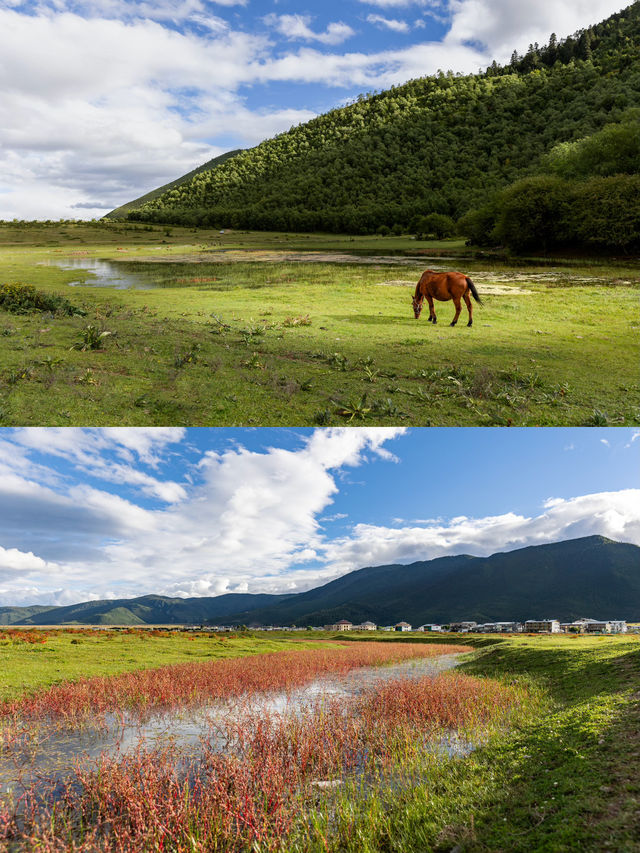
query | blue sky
[102, 100]
[125, 511]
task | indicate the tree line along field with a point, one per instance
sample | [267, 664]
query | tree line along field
[263, 328]
[553, 722]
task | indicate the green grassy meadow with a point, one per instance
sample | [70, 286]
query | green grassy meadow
[565, 779]
[26, 667]
[252, 332]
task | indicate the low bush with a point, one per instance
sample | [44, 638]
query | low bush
[25, 299]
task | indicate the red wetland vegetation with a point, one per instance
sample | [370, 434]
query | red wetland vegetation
[261, 780]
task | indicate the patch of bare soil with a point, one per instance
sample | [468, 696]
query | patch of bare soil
[489, 289]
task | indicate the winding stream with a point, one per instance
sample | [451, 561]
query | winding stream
[53, 751]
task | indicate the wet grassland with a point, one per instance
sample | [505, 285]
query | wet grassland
[174, 326]
[526, 743]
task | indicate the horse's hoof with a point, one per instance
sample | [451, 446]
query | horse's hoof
[469, 324]
[452, 324]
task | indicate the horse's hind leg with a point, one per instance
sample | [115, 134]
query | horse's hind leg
[432, 313]
[467, 302]
[456, 302]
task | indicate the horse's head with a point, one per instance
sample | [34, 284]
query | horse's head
[417, 306]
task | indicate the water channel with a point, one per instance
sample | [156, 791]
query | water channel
[147, 275]
[53, 751]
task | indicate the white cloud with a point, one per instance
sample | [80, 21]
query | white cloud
[11, 559]
[298, 27]
[504, 25]
[244, 520]
[86, 449]
[388, 23]
[633, 438]
[249, 520]
[399, 4]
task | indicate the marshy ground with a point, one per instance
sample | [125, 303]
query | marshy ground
[548, 725]
[271, 329]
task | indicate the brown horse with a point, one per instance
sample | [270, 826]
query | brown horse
[444, 286]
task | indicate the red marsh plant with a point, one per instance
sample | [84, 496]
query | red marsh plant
[257, 796]
[20, 636]
[184, 684]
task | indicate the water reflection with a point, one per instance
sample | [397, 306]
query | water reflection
[146, 275]
[100, 273]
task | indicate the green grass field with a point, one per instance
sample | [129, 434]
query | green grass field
[244, 329]
[69, 656]
[564, 780]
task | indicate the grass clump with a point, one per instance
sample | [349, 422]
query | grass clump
[91, 338]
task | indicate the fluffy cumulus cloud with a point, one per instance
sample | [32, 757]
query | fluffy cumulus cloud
[388, 23]
[240, 519]
[297, 27]
[80, 518]
[105, 99]
[504, 25]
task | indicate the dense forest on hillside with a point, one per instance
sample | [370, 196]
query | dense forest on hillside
[444, 144]
[121, 212]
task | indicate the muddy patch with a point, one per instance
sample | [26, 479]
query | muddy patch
[489, 289]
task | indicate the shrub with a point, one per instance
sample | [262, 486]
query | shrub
[614, 150]
[477, 225]
[545, 212]
[436, 225]
[25, 298]
[533, 213]
[605, 212]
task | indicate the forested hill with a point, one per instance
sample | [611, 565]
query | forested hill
[121, 212]
[441, 144]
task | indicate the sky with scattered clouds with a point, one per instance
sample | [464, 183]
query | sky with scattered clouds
[103, 100]
[110, 513]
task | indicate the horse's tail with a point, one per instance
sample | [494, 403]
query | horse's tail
[473, 290]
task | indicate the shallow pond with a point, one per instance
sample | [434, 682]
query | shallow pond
[206, 270]
[53, 751]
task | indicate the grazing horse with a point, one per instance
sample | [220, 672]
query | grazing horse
[444, 286]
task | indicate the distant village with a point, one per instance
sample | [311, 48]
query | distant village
[531, 626]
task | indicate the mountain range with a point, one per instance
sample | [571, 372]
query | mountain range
[588, 577]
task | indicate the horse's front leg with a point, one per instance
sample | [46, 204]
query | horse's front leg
[432, 313]
[456, 302]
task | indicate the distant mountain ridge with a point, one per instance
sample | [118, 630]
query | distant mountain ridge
[592, 576]
[149, 610]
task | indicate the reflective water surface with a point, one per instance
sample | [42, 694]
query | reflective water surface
[211, 270]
